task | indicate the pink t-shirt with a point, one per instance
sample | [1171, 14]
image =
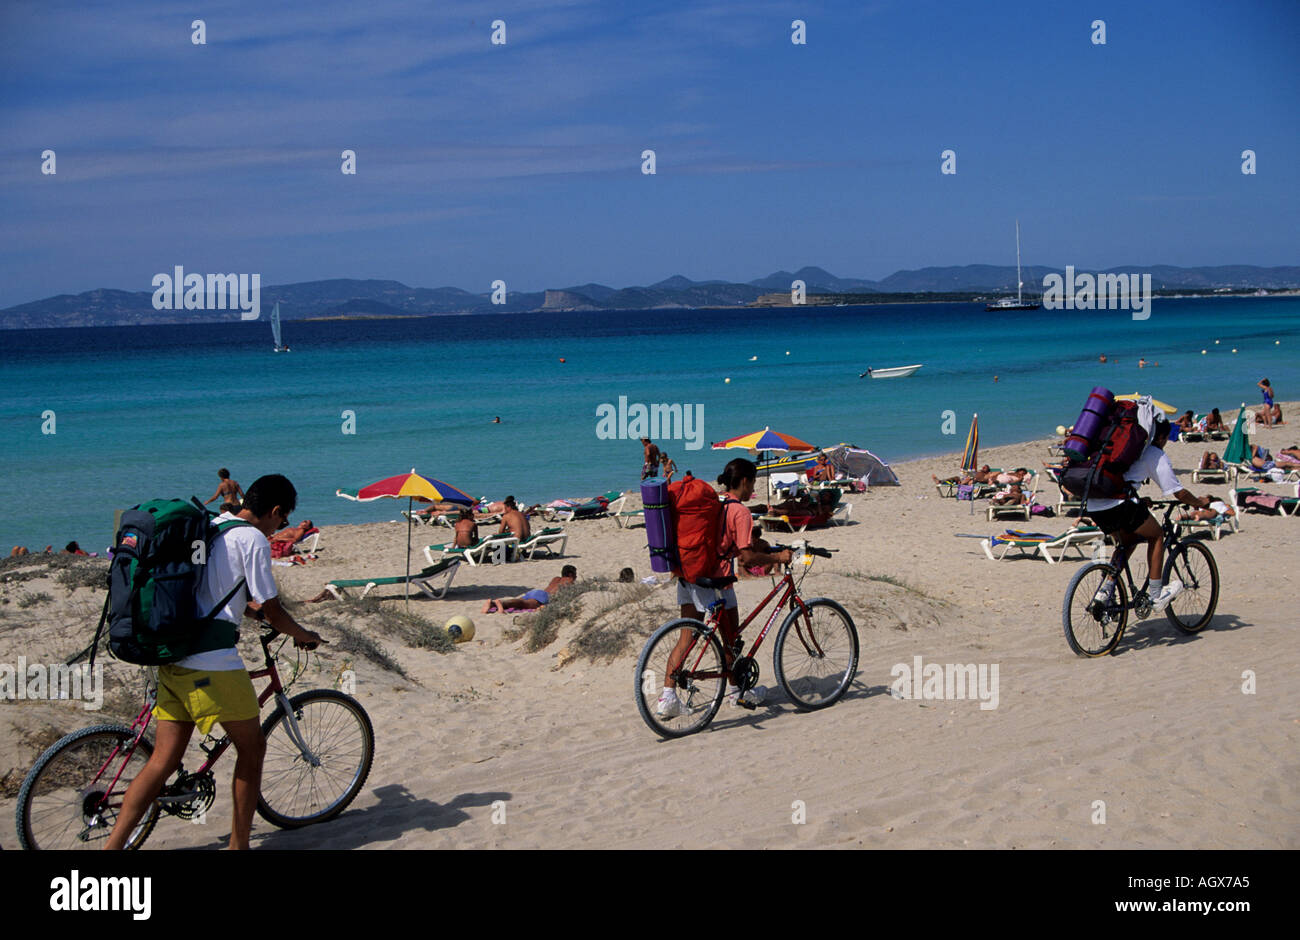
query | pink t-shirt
[737, 533]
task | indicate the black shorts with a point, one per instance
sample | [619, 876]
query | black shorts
[1128, 516]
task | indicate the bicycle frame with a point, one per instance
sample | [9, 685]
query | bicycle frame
[789, 594]
[141, 724]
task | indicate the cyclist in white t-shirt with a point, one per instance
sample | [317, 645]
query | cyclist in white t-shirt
[213, 687]
[1129, 520]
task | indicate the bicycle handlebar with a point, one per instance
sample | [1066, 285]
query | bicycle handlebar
[819, 552]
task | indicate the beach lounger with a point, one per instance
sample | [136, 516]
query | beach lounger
[545, 539]
[1203, 474]
[424, 580]
[565, 510]
[495, 549]
[1244, 497]
[624, 517]
[1029, 544]
[793, 522]
[1022, 511]
[1215, 526]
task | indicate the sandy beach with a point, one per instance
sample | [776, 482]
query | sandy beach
[495, 746]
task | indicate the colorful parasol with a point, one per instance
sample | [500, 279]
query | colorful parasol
[764, 440]
[970, 456]
[409, 486]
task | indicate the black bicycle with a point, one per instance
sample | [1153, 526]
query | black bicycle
[1097, 602]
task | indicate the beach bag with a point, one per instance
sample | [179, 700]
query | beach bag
[966, 491]
[152, 610]
[1100, 474]
[698, 517]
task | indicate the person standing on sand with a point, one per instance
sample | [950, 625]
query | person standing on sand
[736, 543]
[650, 462]
[213, 686]
[228, 488]
[666, 467]
[533, 599]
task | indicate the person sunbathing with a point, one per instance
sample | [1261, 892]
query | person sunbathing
[1214, 422]
[1260, 458]
[759, 544]
[822, 470]
[1293, 452]
[1187, 422]
[1211, 461]
[292, 533]
[982, 475]
[1013, 495]
[1216, 509]
[1019, 475]
[533, 600]
[466, 529]
[1270, 415]
[514, 522]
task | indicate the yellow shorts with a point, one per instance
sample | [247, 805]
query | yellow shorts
[203, 697]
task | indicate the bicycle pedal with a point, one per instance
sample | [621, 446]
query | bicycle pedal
[743, 704]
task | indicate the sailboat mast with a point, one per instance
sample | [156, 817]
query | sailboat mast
[1019, 282]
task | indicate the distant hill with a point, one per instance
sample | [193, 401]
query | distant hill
[349, 297]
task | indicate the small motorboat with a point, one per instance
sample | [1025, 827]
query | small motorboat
[896, 372]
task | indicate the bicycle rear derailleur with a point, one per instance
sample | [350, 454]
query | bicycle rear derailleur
[189, 796]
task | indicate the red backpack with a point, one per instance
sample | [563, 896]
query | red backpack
[698, 518]
[1120, 443]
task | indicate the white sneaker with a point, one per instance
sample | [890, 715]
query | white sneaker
[755, 696]
[670, 706]
[1105, 592]
[1170, 591]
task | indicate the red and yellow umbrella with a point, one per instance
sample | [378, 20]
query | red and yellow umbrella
[409, 486]
[766, 439]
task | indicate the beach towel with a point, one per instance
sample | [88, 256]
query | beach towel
[1264, 501]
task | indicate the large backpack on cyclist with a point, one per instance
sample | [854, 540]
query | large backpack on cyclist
[1120, 440]
[698, 518]
[152, 609]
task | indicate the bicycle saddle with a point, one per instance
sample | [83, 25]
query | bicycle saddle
[716, 583]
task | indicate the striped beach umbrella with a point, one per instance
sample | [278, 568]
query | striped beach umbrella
[764, 440]
[409, 486]
[970, 456]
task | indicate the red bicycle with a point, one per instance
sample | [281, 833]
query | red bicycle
[319, 747]
[815, 656]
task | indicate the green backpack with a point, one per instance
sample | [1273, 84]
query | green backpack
[158, 558]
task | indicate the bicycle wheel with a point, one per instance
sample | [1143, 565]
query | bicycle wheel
[816, 655]
[71, 796]
[1192, 564]
[700, 678]
[297, 790]
[1091, 627]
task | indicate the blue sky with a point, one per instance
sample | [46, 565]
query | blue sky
[522, 161]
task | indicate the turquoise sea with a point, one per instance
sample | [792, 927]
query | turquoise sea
[143, 412]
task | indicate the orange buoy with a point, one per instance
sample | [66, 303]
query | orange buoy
[561, 358]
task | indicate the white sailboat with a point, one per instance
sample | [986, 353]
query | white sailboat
[1006, 303]
[275, 328]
